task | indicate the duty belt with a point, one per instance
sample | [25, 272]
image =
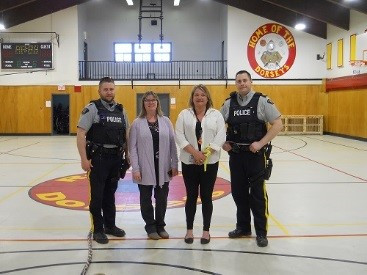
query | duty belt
[238, 147]
[244, 148]
[110, 151]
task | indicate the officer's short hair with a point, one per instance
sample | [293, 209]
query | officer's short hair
[204, 89]
[244, 72]
[106, 79]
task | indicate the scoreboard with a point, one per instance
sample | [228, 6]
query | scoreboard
[26, 56]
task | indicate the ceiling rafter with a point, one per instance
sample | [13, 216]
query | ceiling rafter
[360, 5]
[279, 14]
[12, 4]
[318, 14]
[25, 10]
[318, 9]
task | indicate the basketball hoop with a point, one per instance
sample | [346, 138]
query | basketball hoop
[358, 63]
[358, 66]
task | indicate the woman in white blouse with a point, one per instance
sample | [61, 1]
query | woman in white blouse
[200, 134]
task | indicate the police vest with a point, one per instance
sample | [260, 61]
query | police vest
[111, 128]
[243, 124]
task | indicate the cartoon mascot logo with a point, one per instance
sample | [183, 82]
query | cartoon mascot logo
[271, 50]
[72, 192]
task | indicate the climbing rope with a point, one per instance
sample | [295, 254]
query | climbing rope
[90, 254]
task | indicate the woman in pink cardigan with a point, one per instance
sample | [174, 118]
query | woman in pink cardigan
[153, 157]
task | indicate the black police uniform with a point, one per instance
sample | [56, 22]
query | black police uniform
[105, 141]
[244, 128]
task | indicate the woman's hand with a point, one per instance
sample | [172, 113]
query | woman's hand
[199, 157]
[137, 176]
[174, 172]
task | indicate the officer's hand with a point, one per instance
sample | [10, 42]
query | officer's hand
[86, 165]
[255, 147]
[227, 146]
[137, 176]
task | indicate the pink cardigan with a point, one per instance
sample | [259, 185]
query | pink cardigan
[141, 150]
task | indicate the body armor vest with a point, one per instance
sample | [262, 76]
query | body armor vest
[243, 124]
[110, 129]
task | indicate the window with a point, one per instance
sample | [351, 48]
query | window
[143, 52]
[162, 51]
[123, 52]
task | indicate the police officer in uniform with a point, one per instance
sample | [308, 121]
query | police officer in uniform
[101, 141]
[246, 114]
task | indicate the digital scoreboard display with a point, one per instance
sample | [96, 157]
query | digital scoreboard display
[26, 56]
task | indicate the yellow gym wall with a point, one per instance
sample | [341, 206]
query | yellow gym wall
[23, 107]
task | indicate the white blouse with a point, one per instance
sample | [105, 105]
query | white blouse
[213, 135]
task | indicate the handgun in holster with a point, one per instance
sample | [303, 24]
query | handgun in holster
[125, 165]
[266, 173]
[268, 161]
[91, 149]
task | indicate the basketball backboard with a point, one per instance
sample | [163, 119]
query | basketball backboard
[361, 46]
[359, 64]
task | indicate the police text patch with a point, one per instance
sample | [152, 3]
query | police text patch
[85, 110]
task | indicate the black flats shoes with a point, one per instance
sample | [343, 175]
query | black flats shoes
[189, 240]
[205, 241]
[202, 240]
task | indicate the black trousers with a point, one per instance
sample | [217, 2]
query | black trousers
[243, 166]
[146, 207]
[195, 178]
[103, 179]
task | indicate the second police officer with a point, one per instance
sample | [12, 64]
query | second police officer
[246, 114]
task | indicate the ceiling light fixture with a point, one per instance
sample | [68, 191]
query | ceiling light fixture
[300, 26]
[176, 3]
[130, 2]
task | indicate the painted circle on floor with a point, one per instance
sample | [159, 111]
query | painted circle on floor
[72, 192]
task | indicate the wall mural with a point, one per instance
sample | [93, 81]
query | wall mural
[271, 50]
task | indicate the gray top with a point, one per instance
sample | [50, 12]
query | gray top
[266, 110]
[90, 115]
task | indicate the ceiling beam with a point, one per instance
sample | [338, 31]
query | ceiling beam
[279, 14]
[11, 4]
[319, 10]
[360, 6]
[35, 9]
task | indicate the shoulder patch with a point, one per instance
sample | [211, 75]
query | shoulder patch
[269, 101]
[85, 110]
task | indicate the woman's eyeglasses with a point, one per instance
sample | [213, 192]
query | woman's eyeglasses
[150, 100]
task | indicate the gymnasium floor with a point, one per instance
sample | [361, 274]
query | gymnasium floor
[317, 225]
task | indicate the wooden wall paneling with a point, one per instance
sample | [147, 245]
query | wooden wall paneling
[9, 114]
[78, 101]
[347, 113]
[24, 111]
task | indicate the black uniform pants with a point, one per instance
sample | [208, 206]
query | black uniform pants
[195, 178]
[152, 224]
[103, 177]
[249, 196]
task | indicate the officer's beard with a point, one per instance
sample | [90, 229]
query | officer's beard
[108, 100]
